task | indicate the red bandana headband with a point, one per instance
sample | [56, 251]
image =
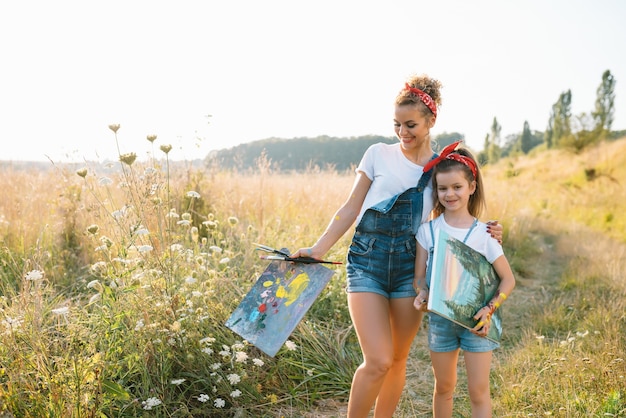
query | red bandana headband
[424, 97]
[449, 154]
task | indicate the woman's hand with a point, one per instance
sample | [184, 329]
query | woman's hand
[306, 252]
[421, 300]
[495, 230]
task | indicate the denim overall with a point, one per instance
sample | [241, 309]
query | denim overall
[383, 247]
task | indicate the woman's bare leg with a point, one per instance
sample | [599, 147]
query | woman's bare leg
[405, 322]
[370, 316]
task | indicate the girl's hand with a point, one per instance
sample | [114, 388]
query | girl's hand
[421, 300]
[495, 230]
[483, 317]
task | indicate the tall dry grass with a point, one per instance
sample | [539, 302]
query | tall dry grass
[116, 280]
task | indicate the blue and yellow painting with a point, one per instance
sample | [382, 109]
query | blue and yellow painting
[277, 302]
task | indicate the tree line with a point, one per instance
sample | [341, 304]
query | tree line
[564, 130]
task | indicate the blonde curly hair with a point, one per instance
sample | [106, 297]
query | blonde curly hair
[428, 85]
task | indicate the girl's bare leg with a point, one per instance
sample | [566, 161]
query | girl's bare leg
[444, 368]
[478, 366]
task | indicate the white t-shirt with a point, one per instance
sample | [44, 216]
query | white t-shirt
[391, 173]
[479, 239]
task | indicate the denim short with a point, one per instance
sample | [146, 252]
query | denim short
[381, 264]
[444, 336]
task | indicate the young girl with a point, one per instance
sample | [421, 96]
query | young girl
[459, 196]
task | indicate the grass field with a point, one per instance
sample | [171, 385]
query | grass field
[115, 283]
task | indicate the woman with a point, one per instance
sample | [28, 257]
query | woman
[387, 203]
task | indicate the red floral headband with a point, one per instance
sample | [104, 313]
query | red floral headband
[449, 154]
[424, 97]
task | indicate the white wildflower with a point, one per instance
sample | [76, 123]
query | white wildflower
[291, 346]
[177, 381]
[118, 214]
[177, 247]
[219, 403]
[233, 378]
[149, 403]
[95, 284]
[34, 275]
[258, 362]
[64, 310]
[145, 248]
[241, 357]
[11, 323]
[235, 393]
[203, 397]
[193, 194]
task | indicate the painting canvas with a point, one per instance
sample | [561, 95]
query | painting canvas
[462, 282]
[274, 306]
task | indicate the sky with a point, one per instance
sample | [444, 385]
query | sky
[287, 69]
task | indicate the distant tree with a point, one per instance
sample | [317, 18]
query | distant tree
[444, 139]
[548, 135]
[603, 114]
[483, 156]
[299, 154]
[526, 140]
[562, 112]
[511, 146]
[494, 152]
[583, 134]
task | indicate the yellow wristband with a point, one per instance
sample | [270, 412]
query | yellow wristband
[503, 296]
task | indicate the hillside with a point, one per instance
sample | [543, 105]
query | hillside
[556, 185]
